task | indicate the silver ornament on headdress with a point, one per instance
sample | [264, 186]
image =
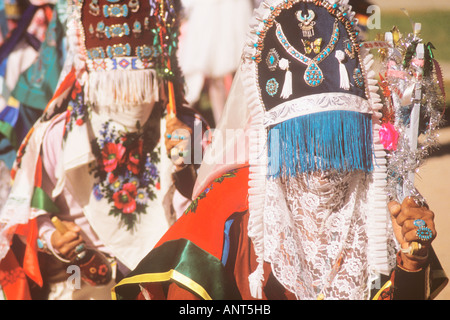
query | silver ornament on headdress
[306, 22]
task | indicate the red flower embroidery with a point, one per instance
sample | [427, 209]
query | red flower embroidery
[125, 199]
[112, 178]
[134, 158]
[112, 154]
[127, 173]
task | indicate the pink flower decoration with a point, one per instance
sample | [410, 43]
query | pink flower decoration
[389, 136]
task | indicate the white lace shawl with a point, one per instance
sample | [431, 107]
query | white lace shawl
[315, 235]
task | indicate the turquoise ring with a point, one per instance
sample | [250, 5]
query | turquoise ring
[419, 223]
[424, 233]
[79, 248]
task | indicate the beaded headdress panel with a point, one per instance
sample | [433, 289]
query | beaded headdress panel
[118, 34]
[135, 40]
[139, 31]
[312, 86]
[314, 52]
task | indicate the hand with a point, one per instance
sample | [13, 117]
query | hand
[65, 243]
[177, 140]
[403, 217]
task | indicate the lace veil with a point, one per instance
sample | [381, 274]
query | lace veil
[317, 198]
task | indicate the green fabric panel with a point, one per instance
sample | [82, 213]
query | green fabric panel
[8, 131]
[188, 259]
[42, 201]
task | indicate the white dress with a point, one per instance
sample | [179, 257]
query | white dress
[210, 46]
[213, 35]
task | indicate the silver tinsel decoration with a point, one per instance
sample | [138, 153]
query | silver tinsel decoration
[400, 92]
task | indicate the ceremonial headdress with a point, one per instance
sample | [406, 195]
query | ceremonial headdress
[311, 119]
[135, 41]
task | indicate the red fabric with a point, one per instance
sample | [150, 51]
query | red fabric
[244, 264]
[48, 11]
[38, 173]
[224, 199]
[12, 276]
[67, 83]
[30, 260]
[175, 292]
[242, 254]
[13, 279]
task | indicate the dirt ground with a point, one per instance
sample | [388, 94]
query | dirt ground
[433, 178]
[433, 181]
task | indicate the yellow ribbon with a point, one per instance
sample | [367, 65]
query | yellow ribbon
[164, 276]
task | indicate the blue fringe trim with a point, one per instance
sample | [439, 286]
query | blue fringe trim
[340, 140]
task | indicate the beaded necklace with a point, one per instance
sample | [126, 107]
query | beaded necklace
[313, 74]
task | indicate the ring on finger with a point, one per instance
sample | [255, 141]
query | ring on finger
[175, 137]
[419, 223]
[420, 201]
[424, 233]
[413, 248]
[79, 248]
[80, 256]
